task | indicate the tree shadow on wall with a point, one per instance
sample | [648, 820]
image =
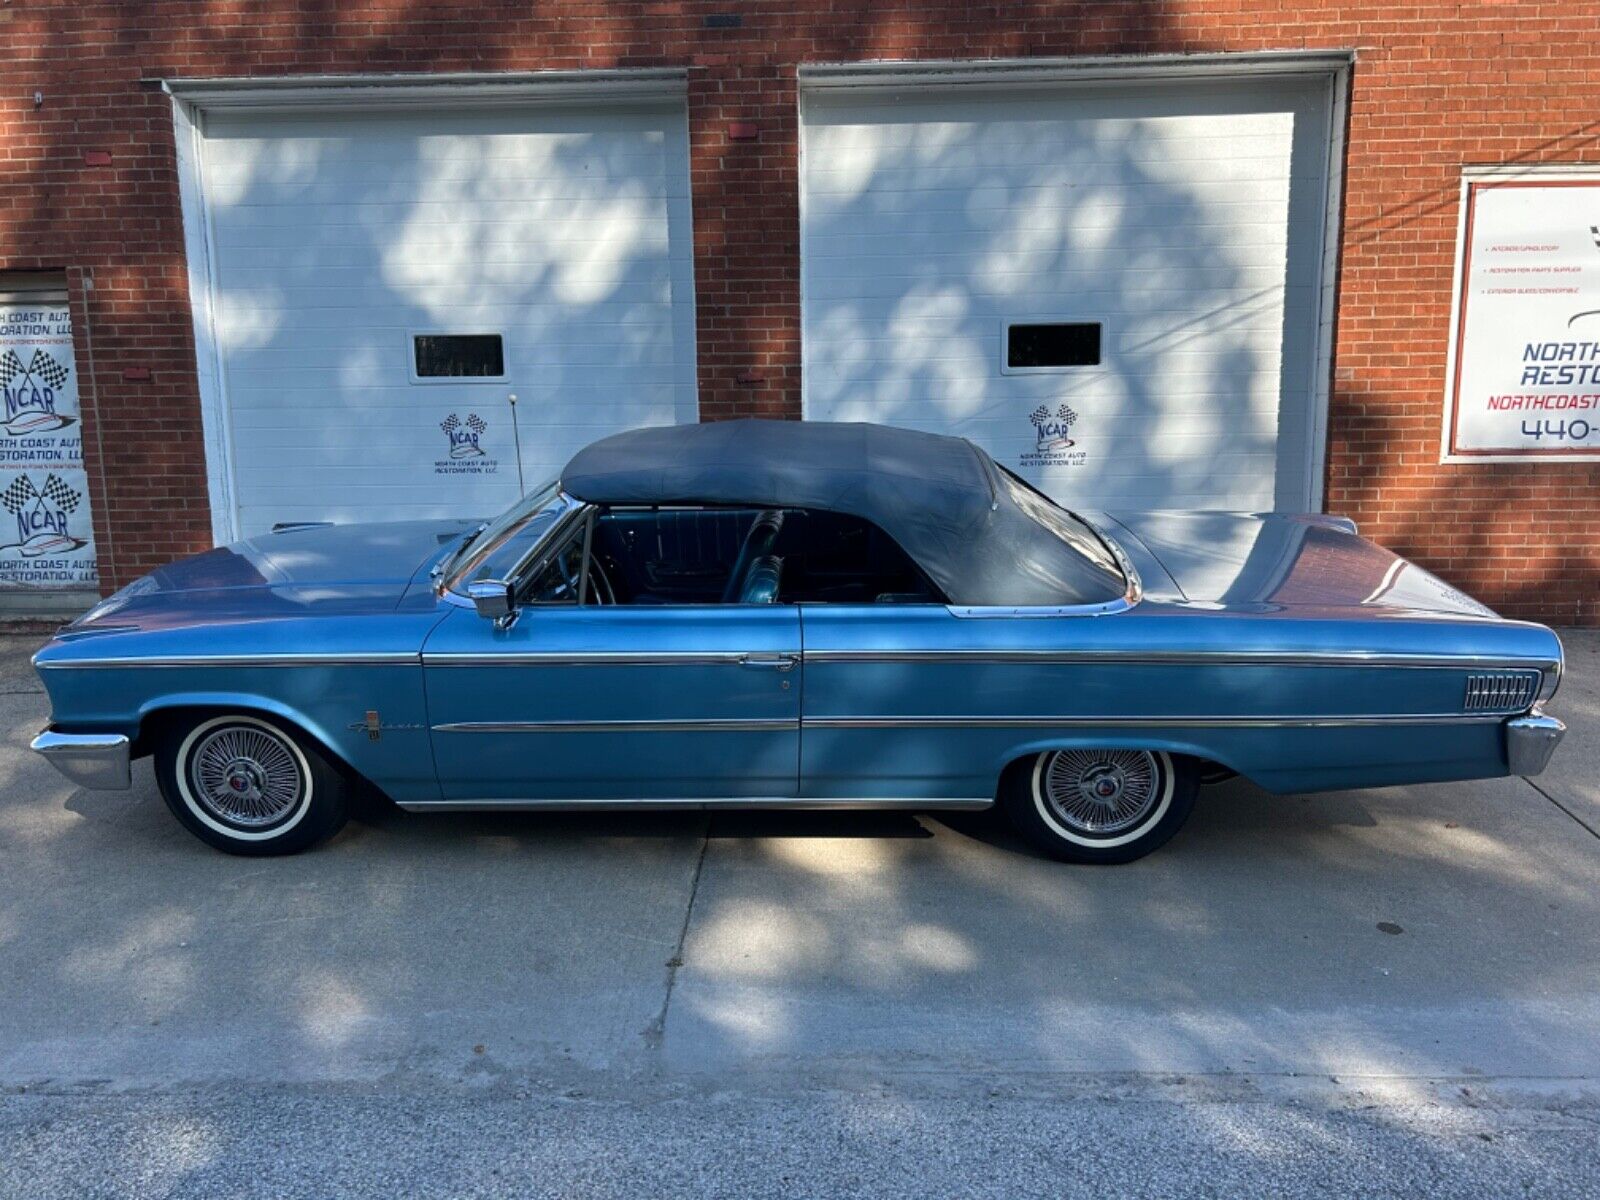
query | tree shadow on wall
[568, 239]
[928, 227]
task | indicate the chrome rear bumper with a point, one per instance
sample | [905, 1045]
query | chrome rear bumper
[91, 760]
[1530, 741]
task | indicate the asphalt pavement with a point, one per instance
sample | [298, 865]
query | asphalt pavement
[1385, 993]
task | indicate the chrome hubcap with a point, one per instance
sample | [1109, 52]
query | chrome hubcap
[245, 776]
[1100, 793]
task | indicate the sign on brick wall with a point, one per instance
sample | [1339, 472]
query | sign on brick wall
[46, 540]
[1524, 367]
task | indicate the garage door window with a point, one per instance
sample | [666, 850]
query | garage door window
[1051, 346]
[457, 356]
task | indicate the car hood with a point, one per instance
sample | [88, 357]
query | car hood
[1279, 562]
[297, 571]
[390, 552]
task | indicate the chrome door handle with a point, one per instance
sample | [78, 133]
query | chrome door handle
[774, 662]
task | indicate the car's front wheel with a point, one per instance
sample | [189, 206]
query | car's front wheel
[248, 785]
[1099, 805]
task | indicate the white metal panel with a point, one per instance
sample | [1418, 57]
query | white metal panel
[335, 237]
[1187, 217]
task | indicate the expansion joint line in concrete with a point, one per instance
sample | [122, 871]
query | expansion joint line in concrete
[657, 1028]
[1592, 830]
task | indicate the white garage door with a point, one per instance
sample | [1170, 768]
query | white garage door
[1114, 288]
[383, 284]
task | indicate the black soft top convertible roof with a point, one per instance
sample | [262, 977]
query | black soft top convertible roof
[940, 498]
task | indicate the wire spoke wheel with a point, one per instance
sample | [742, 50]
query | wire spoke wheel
[246, 776]
[1101, 793]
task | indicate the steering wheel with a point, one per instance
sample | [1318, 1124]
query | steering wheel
[570, 564]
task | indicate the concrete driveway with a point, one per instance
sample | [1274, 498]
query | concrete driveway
[1376, 993]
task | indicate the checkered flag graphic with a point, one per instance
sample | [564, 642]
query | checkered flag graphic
[1065, 415]
[19, 493]
[64, 497]
[10, 367]
[45, 367]
[476, 423]
[1594, 232]
[450, 424]
[1039, 415]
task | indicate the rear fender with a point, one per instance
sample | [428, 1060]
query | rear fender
[1146, 740]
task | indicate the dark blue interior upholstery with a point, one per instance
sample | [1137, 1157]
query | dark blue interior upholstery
[758, 543]
[761, 580]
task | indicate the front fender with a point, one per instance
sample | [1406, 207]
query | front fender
[329, 703]
[232, 701]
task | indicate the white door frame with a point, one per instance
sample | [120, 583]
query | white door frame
[192, 99]
[1334, 66]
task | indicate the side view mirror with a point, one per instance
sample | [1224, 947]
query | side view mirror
[492, 598]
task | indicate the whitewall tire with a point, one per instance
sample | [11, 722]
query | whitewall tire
[1099, 805]
[248, 784]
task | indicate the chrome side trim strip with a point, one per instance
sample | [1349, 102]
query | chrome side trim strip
[734, 657]
[588, 659]
[1223, 658]
[795, 802]
[1197, 722]
[779, 724]
[374, 659]
[709, 725]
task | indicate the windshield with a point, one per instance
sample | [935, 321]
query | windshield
[495, 550]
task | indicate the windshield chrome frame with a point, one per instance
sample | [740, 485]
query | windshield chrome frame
[449, 588]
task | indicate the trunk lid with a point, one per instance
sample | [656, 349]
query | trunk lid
[1277, 561]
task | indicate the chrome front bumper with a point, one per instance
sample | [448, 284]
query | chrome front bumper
[91, 760]
[1530, 741]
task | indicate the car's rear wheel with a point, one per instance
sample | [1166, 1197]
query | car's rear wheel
[1099, 805]
[247, 784]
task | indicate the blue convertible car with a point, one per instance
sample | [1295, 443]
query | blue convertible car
[791, 615]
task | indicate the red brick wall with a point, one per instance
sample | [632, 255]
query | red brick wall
[1436, 86]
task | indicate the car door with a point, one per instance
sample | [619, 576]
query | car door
[671, 703]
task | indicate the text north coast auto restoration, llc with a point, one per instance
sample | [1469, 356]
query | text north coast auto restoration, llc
[46, 538]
